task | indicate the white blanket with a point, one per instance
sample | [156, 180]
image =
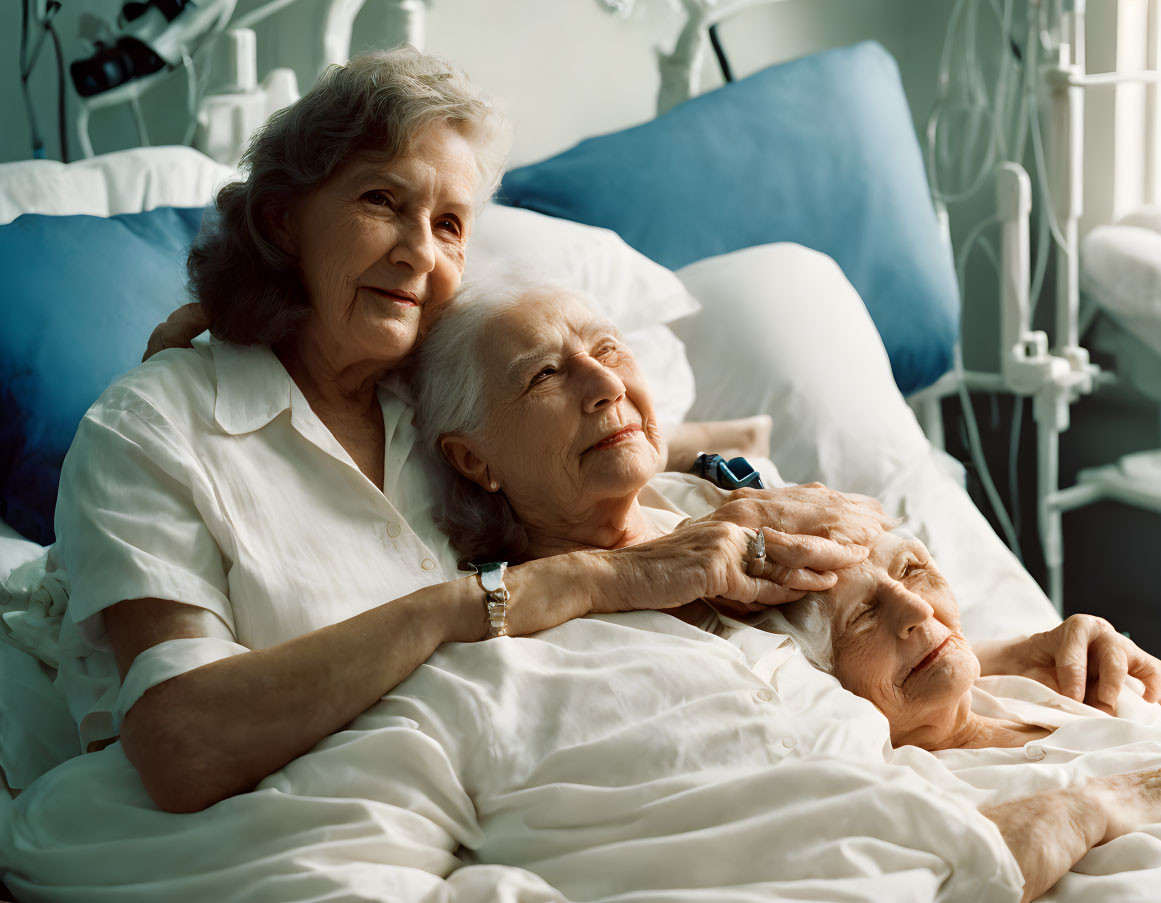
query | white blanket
[1084, 743]
[622, 758]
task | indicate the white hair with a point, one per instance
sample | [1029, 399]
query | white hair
[808, 623]
[449, 385]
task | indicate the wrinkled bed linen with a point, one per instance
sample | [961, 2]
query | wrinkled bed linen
[1085, 743]
[616, 758]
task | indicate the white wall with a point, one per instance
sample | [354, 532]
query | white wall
[565, 68]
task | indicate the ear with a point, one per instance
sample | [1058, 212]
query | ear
[461, 454]
[280, 227]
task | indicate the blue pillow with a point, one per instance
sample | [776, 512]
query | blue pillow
[81, 296]
[820, 151]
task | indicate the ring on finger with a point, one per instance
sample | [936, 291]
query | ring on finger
[757, 547]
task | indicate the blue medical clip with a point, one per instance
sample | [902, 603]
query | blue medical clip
[737, 473]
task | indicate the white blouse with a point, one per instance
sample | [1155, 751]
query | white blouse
[204, 477]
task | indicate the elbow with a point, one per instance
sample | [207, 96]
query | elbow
[178, 800]
[179, 783]
[173, 758]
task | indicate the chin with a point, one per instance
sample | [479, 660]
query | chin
[392, 339]
[625, 475]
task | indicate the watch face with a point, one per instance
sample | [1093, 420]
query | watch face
[492, 575]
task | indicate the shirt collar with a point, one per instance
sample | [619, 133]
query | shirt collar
[253, 386]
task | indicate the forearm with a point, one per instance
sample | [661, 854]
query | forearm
[220, 729]
[685, 441]
[1050, 831]
[997, 656]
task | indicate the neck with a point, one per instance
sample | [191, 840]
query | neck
[972, 731]
[325, 378]
[610, 525]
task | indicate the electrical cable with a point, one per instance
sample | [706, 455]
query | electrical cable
[720, 53]
[62, 120]
[25, 71]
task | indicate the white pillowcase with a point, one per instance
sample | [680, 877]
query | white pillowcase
[782, 332]
[634, 292]
[127, 181]
[1121, 271]
[640, 296]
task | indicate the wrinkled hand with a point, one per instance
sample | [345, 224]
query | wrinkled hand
[698, 560]
[811, 531]
[178, 331]
[1083, 658]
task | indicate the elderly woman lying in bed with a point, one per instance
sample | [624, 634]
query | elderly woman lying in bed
[889, 631]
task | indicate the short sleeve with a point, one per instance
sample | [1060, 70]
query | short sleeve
[133, 517]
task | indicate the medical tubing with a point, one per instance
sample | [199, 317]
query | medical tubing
[975, 445]
[977, 453]
[1042, 175]
[1013, 462]
[996, 119]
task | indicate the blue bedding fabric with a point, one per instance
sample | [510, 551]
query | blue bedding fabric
[81, 294]
[820, 151]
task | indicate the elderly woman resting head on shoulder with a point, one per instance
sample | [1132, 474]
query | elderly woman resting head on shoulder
[546, 428]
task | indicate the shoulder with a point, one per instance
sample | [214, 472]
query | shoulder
[175, 386]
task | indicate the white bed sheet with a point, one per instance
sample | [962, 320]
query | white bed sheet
[620, 758]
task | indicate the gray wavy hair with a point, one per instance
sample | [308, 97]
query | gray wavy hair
[379, 101]
[449, 386]
[808, 623]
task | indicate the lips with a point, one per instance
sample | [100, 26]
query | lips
[932, 655]
[394, 294]
[616, 437]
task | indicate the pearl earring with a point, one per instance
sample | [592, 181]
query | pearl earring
[495, 485]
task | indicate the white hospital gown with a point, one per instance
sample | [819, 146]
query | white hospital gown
[622, 758]
[204, 477]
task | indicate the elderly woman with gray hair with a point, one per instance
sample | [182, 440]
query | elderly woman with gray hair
[542, 419]
[246, 524]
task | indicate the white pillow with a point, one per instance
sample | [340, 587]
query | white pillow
[640, 296]
[1121, 271]
[782, 332]
[1145, 218]
[127, 181]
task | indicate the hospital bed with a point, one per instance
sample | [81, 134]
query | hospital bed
[825, 353]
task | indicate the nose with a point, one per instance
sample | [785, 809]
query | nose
[907, 610]
[414, 248]
[602, 387]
